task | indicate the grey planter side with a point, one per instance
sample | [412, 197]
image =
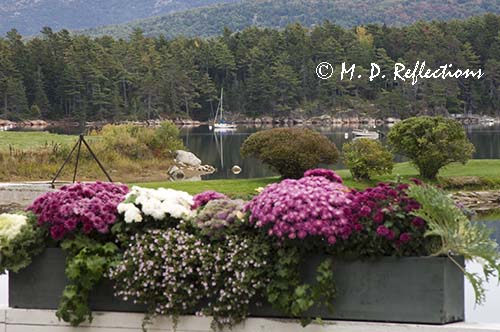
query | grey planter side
[426, 290]
[41, 284]
[410, 290]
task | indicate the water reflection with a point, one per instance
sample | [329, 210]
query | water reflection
[488, 312]
[486, 140]
[222, 149]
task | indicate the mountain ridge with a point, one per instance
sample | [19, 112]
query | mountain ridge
[30, 16]
[210, 20]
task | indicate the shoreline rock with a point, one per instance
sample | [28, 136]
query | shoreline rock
[188, 167]
[478, 201]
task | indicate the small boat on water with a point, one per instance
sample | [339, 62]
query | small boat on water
[487, 120]
[220, 124]
[363, 133]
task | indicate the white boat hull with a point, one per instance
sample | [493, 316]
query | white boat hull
[225, 126]
[365, 134]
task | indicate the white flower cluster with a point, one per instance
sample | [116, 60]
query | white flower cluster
[183, 273]
[165, 265]
[156, 203]
[11, 224]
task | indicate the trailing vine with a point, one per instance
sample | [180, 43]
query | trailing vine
[86, 265]
[287, 293]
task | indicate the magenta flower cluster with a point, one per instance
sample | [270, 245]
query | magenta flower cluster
[325, 173]
[89, 207]
[203, 198]
[310, 206]
[386, 210]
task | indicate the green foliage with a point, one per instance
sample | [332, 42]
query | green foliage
[128, 151]
[286, 291]
[290, 151]
[138, 142]
[166, 139]
[459, 236]
[263, 71]
[17, 253]
[35, 112]
[431, 143]
[365, 158]
[87, 262]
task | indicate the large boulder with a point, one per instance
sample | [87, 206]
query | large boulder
[187, 158]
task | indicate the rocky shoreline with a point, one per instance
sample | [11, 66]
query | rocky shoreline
[481, 202]
[259, 121]
[266, 120]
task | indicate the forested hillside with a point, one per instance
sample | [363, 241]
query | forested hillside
[210, 21]
[30, 16]
[263, 72]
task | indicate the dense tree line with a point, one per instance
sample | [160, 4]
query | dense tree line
[263, 72]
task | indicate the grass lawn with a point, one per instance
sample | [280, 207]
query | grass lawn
[32, 139]
[476, 174]
[234, 188]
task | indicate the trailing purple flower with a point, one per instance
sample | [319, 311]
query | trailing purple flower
[82, 207]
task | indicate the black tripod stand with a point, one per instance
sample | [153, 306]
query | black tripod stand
[81, 140]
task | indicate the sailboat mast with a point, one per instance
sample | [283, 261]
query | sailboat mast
[221, 103]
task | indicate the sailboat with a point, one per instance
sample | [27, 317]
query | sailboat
[219, 122]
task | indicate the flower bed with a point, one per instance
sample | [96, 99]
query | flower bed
[303, 248]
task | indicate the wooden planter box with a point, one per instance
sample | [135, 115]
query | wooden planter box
[427, 290]
[40, 286]
[411, 290]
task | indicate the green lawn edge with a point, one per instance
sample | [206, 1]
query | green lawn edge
[477, 174]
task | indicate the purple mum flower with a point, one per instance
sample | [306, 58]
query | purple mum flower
[311, 206]
[326, 173]
[91, 206]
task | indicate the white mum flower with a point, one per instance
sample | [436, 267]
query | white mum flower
[123, 207]
[133, 214]
[157, 203]
[151, 207]
[175, 210]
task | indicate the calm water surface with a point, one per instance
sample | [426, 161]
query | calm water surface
[222, 149]
[489, 311]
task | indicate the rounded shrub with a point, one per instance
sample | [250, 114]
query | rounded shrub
[365, 158]
[290, 151]
[431, 143]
